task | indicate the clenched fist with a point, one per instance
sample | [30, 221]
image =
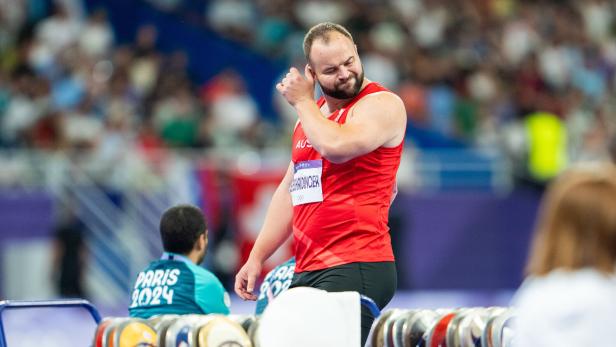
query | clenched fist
[295, 87]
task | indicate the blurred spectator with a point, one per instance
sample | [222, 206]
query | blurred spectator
[234, 111]
[81, 128]
[275, 29]
[68, 86]
[573, 255]
[429, 28]
[12, 18]
[144, 68]
[96, 37]
[149, 141]
[381, 68]
[29, 99]
[177, 119]
[598, 18]
[69, 256]
[312, 12]
[235, 18]
[46, 134]
[547, 146]
[469, 73]
[58, 31]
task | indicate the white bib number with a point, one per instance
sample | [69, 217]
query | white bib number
[306, 186]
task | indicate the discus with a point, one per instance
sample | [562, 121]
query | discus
[135, 332]
[376, 331]
[451, 335]
[501, 327]
[161, 324]
[181, 332]
[221, 331]
[100, 330]
[253, 333]
[418, 328]
[438, 334]
[387, 340]
[244, 320]
[110, 330]
[472, 327]
[486, 335]
[400, 326]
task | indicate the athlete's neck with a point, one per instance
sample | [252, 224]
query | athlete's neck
[334, 104]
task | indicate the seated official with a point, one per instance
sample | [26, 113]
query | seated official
[276, 281]
[176, 284]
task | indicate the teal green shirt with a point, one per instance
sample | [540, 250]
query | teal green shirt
[175, 285]
[276, 281]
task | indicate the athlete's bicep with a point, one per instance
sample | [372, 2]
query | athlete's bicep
[288, 178]
[376, 120]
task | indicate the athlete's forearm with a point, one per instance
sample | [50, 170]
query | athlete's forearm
[326, 136]
[277, 225]
[335, 142]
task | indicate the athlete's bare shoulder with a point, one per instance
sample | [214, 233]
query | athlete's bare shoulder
[385, 103]
[384, 111]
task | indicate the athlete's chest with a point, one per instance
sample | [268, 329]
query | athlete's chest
[302, 148]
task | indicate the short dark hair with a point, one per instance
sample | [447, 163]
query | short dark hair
[180, 227]
[321, 31]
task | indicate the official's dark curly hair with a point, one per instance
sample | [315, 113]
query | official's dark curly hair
[180, 227]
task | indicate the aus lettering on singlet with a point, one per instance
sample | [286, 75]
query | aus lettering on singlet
[153, 287]
[276, 282]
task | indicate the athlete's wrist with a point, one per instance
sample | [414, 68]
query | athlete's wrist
[304, 102]
[256, 257]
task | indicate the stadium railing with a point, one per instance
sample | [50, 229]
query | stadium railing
[120, 199]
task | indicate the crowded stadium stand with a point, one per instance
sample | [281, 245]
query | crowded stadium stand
[111, 111]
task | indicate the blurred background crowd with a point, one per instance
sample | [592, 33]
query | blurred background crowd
[532, 83]
[471, 74]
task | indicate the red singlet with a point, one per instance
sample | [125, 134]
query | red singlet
[350, 224]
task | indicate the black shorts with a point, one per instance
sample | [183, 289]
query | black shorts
[377, 281]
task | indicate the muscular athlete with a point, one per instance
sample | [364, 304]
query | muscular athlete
[335, 196]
